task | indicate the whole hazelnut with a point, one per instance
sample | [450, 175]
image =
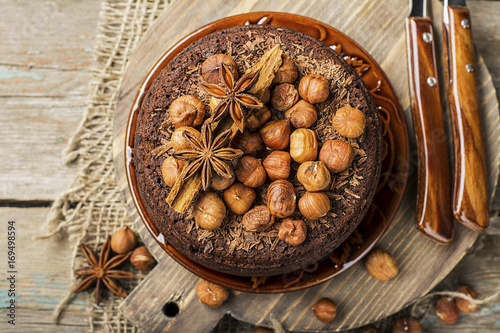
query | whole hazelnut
[258, 118]
[463, 304]
[249, 142]
[337, 155]
[250, 171]
[276, 134]
[277, 165]
[209, 211]
[171, 170]
[314, 205]
[211, 294]
[302, 115]
[314, 175]
[288, 72]
[142, 259]
[349, 122]
[303, 145]
[281, 198]
[325, 310]
[261, 330]
[220, 183]
[211, 66]
[266, 96]
[407, 325]
[239, 198]
[293, 232]
[124, 240]
[178, 141]
[381, 265]
[447, 310]
[258, 219]
[314, 88]
[186, 110]
[284, 96]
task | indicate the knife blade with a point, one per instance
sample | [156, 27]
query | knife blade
[434, 214]
[470, 197]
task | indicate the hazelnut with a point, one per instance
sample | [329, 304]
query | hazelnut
[171, 170]
[325, 310]
[211, 294]
[186, 110]
[220, 183]
[315, 176]
[142, 259]
[250, 171]
[349, 122]
[209, 211]
[266, 96]
[292, 231]
[381, 265]
[303, 145]
[211, 66]
[314, 205]
[337, 155]
[277, 165]
[178, 141]
[302, 115]
[258, 219]
[281, 198]
[314, 88]
[276, 134]
[447, 310]
[463, 304]
[249, 142]
[287, 73]
[407, 325]
[239, 198]
[261, 330]
[284, 96]
[123, 240]
[258, 118]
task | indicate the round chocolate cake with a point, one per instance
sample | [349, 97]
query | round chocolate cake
[280, 159]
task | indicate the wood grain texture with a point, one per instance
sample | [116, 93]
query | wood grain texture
[44, 76]
[360, 298]
[434, 215]
[42, 278]
[470, 198]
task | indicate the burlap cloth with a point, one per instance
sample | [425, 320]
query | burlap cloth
[92, 208]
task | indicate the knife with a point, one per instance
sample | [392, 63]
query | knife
[434, 214]
[470, 198]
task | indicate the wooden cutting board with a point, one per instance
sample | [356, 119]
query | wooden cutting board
[379, 28]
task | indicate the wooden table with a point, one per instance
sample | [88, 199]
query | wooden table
[46, 58]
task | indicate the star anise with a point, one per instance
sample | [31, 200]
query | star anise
[233, 96]
[101, 272]
[207, 154]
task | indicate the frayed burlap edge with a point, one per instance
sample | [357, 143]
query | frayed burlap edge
[92, 208]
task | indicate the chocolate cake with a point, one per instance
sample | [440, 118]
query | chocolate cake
[237, 246]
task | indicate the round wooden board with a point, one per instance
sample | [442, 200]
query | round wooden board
[379, 28]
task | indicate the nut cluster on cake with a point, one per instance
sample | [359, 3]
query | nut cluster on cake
[271, 132]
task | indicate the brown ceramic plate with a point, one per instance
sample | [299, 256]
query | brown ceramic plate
[393, 178]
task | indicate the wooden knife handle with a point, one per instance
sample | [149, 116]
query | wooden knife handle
[470, 197]
[434, 214]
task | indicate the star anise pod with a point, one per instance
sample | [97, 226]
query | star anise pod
[233, 96]
[207, 154]
[101, 273]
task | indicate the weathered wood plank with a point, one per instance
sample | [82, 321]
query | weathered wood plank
[42, 278]
[46, 57]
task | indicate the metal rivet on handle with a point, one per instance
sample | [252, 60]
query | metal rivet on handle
[427, 37]
[431, 81]
[469, 67]
[465, 23]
